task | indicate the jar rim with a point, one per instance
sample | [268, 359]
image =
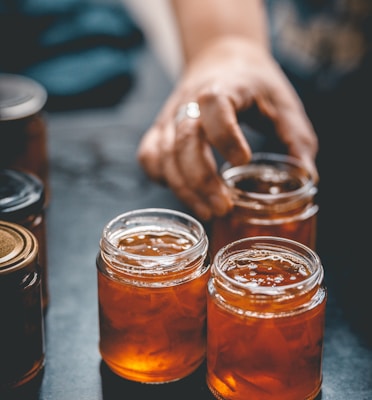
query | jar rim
[274, 245]
[231, 174]
[21, 194]
[154, 220]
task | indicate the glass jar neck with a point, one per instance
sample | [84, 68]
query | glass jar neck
[255, 297]
[276, 206]
[270, 184]
[167, 248]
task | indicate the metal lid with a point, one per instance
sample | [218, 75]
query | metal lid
[20, 97]
[21, 194]
[18, 247]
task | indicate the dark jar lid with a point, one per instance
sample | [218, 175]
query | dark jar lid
[21, 194]
[18, 247]
[20, 97]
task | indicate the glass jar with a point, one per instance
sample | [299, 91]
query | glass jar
[273, 195]
[22, 325]
[153, 268]
[22, 201]
[265, 327]
[23, 130]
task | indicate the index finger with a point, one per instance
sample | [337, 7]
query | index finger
[293, 127]
[218, 118]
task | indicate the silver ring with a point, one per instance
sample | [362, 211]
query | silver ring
[189, 110]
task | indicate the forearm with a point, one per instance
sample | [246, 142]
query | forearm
[201, 22]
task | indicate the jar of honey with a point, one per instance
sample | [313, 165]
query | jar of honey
[153, 268]
[22, 351]
[265, 326]
[273, 195]
[23, 128]
[22, 201]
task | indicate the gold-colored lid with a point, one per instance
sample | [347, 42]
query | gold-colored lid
[18, 247]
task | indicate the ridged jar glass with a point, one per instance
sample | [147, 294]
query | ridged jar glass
[153, 268]
[265, 326]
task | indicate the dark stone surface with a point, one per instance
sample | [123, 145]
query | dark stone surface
[94, 177]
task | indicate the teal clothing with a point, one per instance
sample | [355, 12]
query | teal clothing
[83, 52]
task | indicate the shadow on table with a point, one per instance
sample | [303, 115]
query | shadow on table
[193, 386]
[28, 391]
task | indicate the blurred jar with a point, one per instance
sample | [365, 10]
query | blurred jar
[22, 350]
[22, 201]
[23, 131]
[273, 196]
[266, 314]
[153, 269]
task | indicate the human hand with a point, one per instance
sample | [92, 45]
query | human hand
[229, 76]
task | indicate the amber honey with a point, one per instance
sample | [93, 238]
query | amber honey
[152, 275]
[273, 195]
[266, 312]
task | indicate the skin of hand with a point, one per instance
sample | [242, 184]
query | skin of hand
[229, 75]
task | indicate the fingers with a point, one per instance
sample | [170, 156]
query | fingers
[180, 153]
[179, 156]
[219, 121]
[303, 144]
[281, 104]
[199, 171]
[148, 157]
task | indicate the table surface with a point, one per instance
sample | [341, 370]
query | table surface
[94, 176]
